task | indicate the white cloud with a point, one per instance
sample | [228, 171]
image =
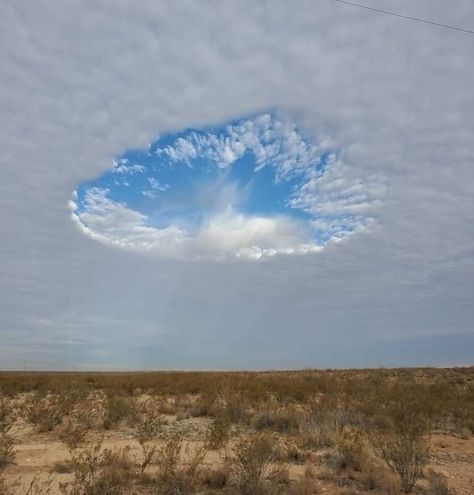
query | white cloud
[337, 191]
[274, 141]
[226, 235]
[125, 167]
[114, 224]
[157, 185]
[149, 193]
[80, 85]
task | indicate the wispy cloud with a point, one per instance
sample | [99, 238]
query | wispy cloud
[124, 167]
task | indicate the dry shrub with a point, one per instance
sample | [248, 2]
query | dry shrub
[168, 457]
[406, 456]
[438, 483]
[7, 450]
[167, 406]
[321, 426]
[36, 486]
[179, 469]
[228, 408]
[7, 417]
[203, 406]
[216, 478]
[72, 433]
[98, 472]
[294, 454]
[252, 461]
[281, 419]
[231, 404]
[117, 409]
[46, 413]
[404, 447]
[148, 426]
[92, 411]
[354, 448]
[219, 432]
[147, 422]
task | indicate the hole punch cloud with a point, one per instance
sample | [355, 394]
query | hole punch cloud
[252, 188]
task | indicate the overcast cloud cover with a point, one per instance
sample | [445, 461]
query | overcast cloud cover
[81, 82]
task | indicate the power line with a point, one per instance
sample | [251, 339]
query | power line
[406, 17]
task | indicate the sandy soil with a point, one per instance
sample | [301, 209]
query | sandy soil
[38, 453]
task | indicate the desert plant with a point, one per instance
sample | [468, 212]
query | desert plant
[45, 412]
[407, 456]
[72, 433]
[280, 419]
[7, 451]
[168, 457]
[219, 432]
[216, 478]
[147, 427]
[321, 425]
[404, 446]
[231, 403]
[91, 412]
[353, 447]
[251, 462]
[36, 486]
[6, 416]
[98, 472]
[117, 408]
[178, 469]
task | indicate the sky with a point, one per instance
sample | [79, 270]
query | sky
[235, 185]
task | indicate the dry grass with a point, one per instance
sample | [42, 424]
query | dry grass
[354, 426]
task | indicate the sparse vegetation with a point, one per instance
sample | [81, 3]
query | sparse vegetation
[275, 433]
[7, 450]
[404, 447]
[251, 462]
[147, 427]
[98, 472]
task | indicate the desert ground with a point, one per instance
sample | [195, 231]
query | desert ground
[381, 432]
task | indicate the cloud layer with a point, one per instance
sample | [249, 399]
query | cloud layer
[81, 82]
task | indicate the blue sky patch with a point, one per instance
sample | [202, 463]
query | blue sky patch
[249, 188]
